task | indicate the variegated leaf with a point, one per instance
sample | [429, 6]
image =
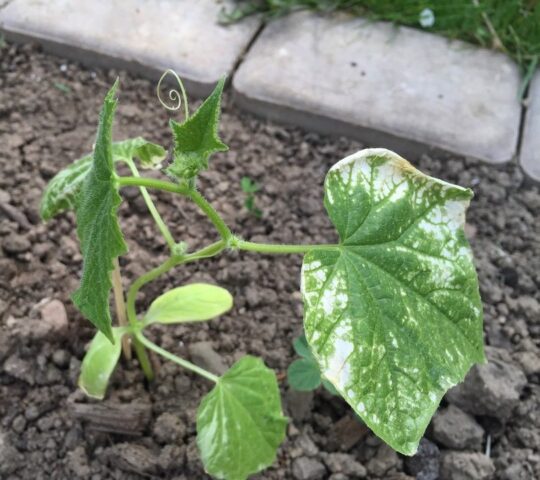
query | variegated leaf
[392, 313]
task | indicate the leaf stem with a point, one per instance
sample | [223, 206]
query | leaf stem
[173, 358]
[152, 209]
[120, 306]
[279, 248]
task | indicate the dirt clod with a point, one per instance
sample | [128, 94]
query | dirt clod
[466, 466]
[453, 428]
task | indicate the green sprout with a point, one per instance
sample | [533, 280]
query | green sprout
[250, 188]
[393, 316]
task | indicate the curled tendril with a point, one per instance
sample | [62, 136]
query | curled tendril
[178, 97]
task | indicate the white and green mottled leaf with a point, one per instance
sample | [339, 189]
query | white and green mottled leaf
[393, 312]
[240, 424]
[99, 363]
[62, 191]
[191, 303]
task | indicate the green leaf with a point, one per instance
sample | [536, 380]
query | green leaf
[197, 138]
[248, 185]
[63, 189]
[304, 375]
[190, 303]
[150, 155]
[329, 387]
[393, 313]
[97, 226]
[301, 347]
[239, 423]
[99, 363]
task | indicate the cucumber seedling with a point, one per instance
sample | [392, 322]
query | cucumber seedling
[392, 312]
[250, 188]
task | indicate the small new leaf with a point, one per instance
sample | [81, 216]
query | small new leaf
[197, 138]
[99, 363]
[97, 226]
[190, 303]
[301, 347]
[304, 375]
[240, 424]
[393, 314]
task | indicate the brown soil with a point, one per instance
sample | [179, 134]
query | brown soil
[43, 128]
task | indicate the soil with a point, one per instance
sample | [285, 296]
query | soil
[48, 117]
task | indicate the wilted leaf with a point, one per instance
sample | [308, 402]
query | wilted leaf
[97, 226]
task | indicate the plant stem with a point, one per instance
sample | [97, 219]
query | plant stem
[278, 248]
[212, 214]
[201, 202]
[206, 252]
[120, 306]
[152, 209]
[173, 358]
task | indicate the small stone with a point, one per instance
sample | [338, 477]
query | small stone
[10, 458]
[77, 462]
[306, 445]
[298, 404]
[491, 389]
[19, 369]
[132, 457]
[14, 244]
[61, 358]
[456, 429]
[305, 468]
[168, 428]
[54, 314]
[529, 362]
[529, 306]
[346, 433]
[384, 460]
[345, 463]
[203, 355]
[425, 464]
[172, 457]
[19, 424]
[466, 466]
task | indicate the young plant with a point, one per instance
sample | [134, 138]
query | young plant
[393, 317]
[250, 188]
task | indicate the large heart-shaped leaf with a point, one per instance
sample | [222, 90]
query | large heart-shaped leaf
[97, 226]
[392, 313]
[239, 423]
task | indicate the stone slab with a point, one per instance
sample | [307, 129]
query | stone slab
[530, 142]
[387, 86]
[143, 36]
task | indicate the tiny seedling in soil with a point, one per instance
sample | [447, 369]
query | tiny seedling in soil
[250, 188]
[393, 316]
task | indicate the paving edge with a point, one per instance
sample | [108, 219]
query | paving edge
[92, 58]
[282, 114]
